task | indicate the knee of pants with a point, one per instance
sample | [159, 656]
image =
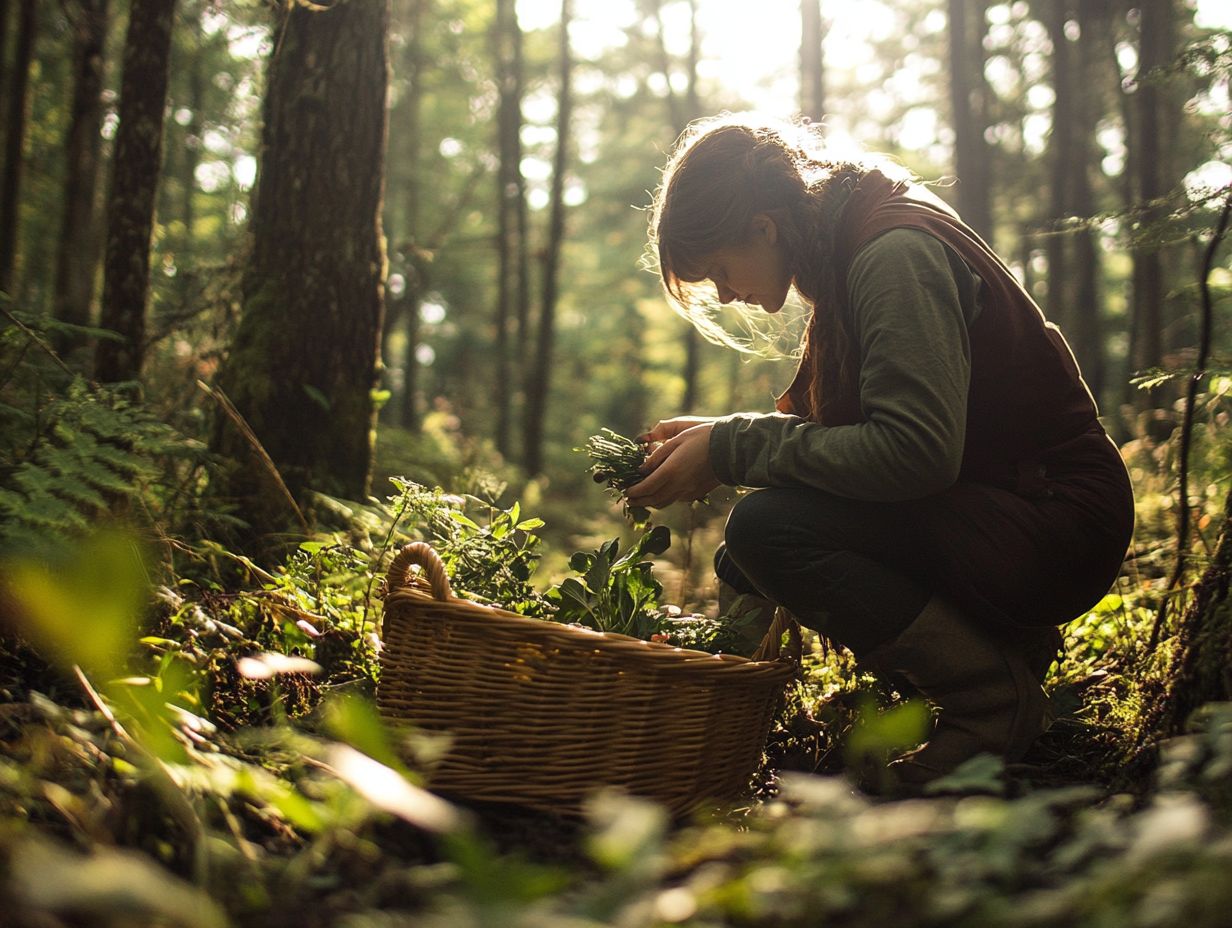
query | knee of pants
[754, 525]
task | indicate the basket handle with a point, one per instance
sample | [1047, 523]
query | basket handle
[421, 553]
[771, 645]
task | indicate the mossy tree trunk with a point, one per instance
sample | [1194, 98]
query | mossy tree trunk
[1202, 668]
[136, 167]
[77, 253]
[303, 363]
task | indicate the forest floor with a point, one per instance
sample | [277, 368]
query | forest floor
[194, 767]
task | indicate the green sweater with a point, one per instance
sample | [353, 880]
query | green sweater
[912, 301]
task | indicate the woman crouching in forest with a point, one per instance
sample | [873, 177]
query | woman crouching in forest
[938, 494]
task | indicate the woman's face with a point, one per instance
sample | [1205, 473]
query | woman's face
[754, 272]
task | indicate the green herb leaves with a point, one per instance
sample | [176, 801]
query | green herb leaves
[614, 592]
[616, 461]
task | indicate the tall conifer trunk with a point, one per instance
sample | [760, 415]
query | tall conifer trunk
[513, 289]
[15, 140]
[77, 254]
[540, 382]
[303, 363]
[5, 6]
[1147, 300]
[1086, 313]
[417, 263]
[969, 108]
[136, 166]
[812, 61]
[680, 113]
[1061, 158]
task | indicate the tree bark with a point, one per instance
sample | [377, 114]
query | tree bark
[692, 338]
[969, 103]
[1061, 155]
[1154, 51]
[134, 185]
[680, 114]
[303, 364]
[1200, 669]
[14, 142]
[812, 61]
[77, 253]
[5, 5]
[511, 248]
[194, 132]
[416, 264]
[1086, 312]
[540, 382]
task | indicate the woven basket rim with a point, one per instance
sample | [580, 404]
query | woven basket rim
[418, 588]
[579, 635]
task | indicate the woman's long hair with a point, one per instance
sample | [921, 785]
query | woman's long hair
[722, 172]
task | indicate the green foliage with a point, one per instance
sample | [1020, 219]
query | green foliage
[614, 592]
[491, 560]
[92, 450]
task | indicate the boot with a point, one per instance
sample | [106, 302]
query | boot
[753, 613]
[1039, 646]
[988, 697]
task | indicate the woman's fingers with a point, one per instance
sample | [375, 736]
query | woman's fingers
[670, 428]
[656, 457]
[647, 492]
[676, 470]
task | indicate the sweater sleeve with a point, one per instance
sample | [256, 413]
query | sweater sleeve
[910, 324]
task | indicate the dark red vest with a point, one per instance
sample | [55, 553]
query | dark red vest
[1026, 394]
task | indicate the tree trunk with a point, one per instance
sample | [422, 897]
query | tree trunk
[969, 103]
[77, 254]
[303, 364]
[510, 247]
[692, 338]
[540, 382]
[15, 139]
[4, 45]
[1086, 311]
[1200, 669]
[812, 61]
[134, 186]
[676, 116]
[416, 281]
[680, 114]
[194, 132]
[1061, 156]
[1154, 51]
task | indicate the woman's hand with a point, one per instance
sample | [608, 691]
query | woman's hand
[677, 469]
[670, 428]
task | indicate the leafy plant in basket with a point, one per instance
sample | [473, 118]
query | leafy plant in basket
[614, 592]
[489, 560]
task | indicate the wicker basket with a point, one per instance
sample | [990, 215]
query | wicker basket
[542, 714]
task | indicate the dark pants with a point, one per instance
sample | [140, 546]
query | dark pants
[860, 572]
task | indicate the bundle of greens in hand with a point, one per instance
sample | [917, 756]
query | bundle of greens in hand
[616, 460]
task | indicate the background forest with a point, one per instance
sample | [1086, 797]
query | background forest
[285, 284]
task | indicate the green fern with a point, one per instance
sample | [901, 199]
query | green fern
[94, 453]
